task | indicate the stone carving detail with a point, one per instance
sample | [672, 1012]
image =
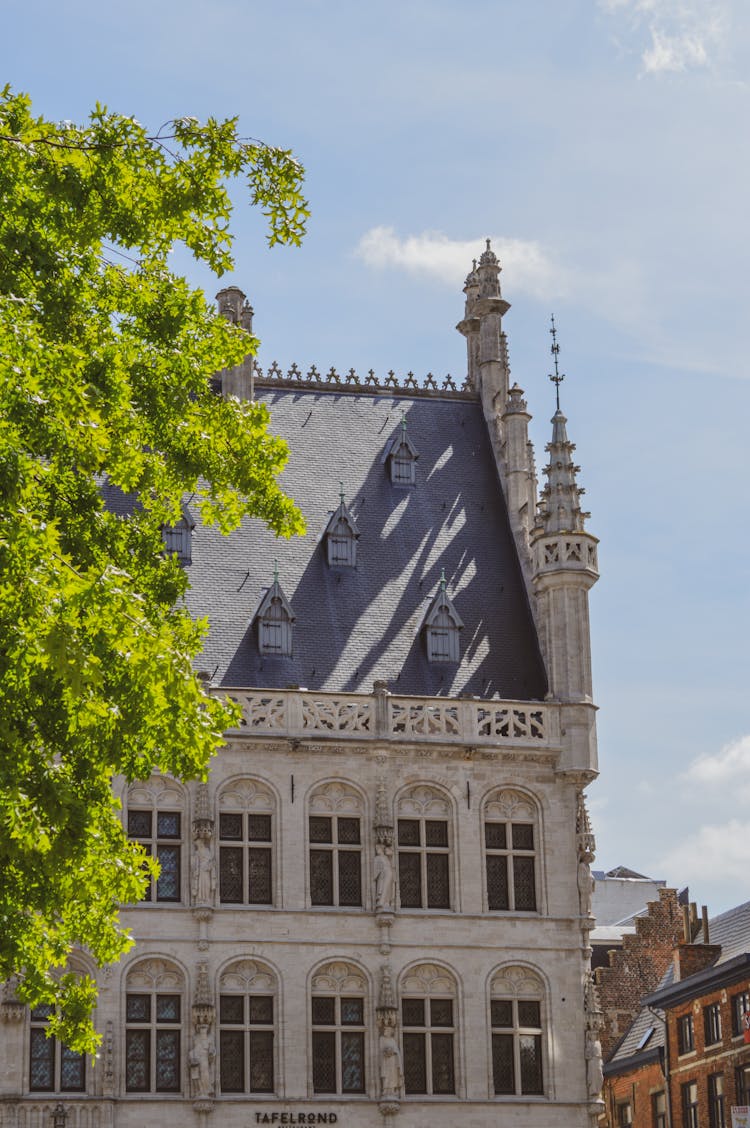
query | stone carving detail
[517, 724]
[261, 711]
[594, 1071]
[203, 864]
[585, 846]
[293, 377]
[422, 719]
[297, 713]
[339, 977]
[159, 791]
[336, 715]
[510, 804]
[11, 1008]
[383, 877]
[424, 800]
[592, 1010]
[516, 982]
[108, 1054]
[391, 1073]
[337, 797]
[201, 1062]
[247, 795]
[155, 975]
[428, 979]
[248, 975]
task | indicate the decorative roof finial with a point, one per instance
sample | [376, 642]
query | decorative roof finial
[558, 378]
[442, 580]
[275, 571]
[403, 421]
[341, 492]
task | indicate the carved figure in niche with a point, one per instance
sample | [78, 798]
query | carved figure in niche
[201, 1063]
[203, 874]
[391, 1074]
[594, 1072]
[585, 887]
[383, 877]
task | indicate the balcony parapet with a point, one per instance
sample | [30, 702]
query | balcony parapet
[307, 714]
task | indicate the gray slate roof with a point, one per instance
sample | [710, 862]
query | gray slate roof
[355, 626]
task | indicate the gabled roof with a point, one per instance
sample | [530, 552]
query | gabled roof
[354, 626]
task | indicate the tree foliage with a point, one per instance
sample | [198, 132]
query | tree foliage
[105, 365]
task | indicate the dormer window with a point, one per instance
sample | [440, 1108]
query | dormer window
[341, 538]
[275, 619]
[441, 626]
[178, 538]
[402, 456]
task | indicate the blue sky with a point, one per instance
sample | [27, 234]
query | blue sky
[603, 145]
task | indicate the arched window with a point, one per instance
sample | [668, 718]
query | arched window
[248, 993]
[428, 1023]
[336, 811]
[153, 1027]
[424, 841]
[247, 810]
[53, 1067]
[510, 849]
[516, 1015]
[155, 819]
[338, 1016]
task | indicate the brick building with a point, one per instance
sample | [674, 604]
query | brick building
[685, 1061]
[378, 907]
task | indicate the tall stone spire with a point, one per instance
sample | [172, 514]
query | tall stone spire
[565, 565]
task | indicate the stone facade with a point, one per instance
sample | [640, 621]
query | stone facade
[377, 909]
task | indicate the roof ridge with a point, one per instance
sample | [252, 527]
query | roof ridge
[351, 381]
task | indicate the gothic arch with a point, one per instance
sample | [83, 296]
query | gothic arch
[510, 804]
[516, 984]
[420, 807]
[247, 792]
[158, 791]
[336, 796]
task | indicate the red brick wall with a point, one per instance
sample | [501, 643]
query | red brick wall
[637, 1088]
[722, 1057]
[638, 966]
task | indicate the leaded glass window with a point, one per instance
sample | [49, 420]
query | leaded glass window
[424, 863]
[246, 1030]
[52, 1066]
[152, 1043]
[338, 1043]
[510, 861]
[159, 832]
[335, 860]
[516, 1047]
[428, 1033]
[245, 858]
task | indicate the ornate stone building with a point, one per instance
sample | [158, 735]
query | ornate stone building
[377, 910]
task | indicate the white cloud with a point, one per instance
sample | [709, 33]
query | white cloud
[684, 34]
[435, 255]
[728, 769]
[712, 853]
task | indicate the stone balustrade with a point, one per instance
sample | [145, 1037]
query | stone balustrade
[299, 714]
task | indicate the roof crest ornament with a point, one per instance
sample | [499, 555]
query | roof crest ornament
[351, 381]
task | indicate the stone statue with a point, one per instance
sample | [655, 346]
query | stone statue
[391, 1075]
[203, 875]
[585, 888]
[201, 1063]
[383, 877]
[594, 1073]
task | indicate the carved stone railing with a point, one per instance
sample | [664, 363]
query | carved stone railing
[298, 714]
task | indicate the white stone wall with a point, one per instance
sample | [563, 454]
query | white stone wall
[293, 939]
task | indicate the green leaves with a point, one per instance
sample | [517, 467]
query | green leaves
[105, 366]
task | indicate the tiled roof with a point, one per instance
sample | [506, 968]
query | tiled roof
[354, 626]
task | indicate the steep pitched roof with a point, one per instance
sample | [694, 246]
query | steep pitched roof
[356, 626]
